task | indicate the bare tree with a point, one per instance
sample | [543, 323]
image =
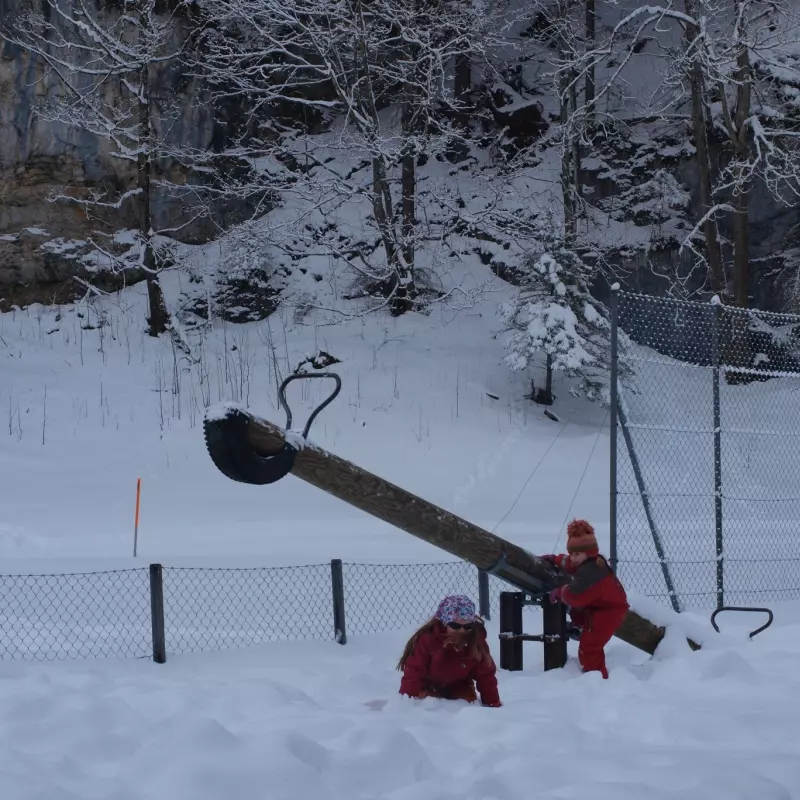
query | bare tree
[357, 61]
[103, 60]
[700, 127]
[735, 65]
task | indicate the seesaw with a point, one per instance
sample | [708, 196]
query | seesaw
[251, 450]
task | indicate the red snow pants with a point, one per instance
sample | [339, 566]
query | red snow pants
[602, 623]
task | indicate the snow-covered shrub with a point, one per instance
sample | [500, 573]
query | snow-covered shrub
[244, 285]
[555, 315]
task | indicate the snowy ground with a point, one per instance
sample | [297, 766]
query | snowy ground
[297, 719]
[312, 721]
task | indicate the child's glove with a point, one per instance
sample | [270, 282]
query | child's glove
[550, 559]
[556, 595]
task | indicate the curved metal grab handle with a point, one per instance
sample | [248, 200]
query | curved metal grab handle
[282, 397]
[741, 608]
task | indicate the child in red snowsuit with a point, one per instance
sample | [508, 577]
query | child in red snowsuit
[596, 598]
[449, 655]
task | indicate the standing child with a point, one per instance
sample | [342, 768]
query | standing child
[448, 656]
[596, 598]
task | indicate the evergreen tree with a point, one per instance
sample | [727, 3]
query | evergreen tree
[555, 314]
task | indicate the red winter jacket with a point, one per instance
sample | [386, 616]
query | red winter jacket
[433, 667]
[593, 586]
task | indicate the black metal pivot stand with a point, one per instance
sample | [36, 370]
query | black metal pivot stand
[511, 630]
[553, 637]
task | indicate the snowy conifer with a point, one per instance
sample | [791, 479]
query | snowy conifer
[555, 315]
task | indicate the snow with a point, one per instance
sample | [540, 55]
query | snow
[296, 439]
[414, 408]
[221, 411]
[314, 721]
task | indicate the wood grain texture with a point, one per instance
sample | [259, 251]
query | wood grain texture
[390, 503]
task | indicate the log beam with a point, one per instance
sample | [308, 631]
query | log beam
[235, 437]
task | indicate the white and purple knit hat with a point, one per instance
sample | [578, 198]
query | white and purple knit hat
[455, 606]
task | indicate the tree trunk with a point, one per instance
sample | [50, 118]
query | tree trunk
[700, 128]
[577, 184]
[738, 349]
[157, 321]
[741, 266]
[545, 396]
[457, 148]
[401, 281]
[461, 89]
[236, 441]
[589, 89]
[740, 345]
[403, 299]
[741, 241]
[567, 165]
[382, 207]
[710, 232]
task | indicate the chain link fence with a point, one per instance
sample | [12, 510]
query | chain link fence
[706, 452]
[86, 615]
[151, 611]
[382, 597]
[218, 609]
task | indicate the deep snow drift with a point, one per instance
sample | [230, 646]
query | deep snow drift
[311, 721]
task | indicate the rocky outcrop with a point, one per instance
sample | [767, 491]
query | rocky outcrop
[38, 159]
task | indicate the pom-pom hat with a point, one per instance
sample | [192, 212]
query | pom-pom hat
[581, 538]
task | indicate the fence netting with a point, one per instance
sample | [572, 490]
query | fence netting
[383, 597]
[218, 609]
[108, 614]
[708, 452]
[86, 615]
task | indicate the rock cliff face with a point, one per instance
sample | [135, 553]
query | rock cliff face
[38, 158]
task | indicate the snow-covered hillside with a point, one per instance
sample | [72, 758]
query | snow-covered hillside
[427, 402]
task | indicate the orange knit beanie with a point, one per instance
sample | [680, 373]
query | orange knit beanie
[581, 538]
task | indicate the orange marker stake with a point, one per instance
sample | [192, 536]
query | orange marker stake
[136, 521]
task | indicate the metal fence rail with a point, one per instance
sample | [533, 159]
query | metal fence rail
[152, 611]
[706, 451]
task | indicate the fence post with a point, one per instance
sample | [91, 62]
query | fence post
[715, 320]
[613, 432]
[554, 633]
[511, 623]
[337, 586]
[157, 613]
[484, 604]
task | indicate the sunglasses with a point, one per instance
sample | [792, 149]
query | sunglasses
[457, 626]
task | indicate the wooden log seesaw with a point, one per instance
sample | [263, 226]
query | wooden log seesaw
[251, 450]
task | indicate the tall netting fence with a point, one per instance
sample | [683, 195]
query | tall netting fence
[707, 452]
